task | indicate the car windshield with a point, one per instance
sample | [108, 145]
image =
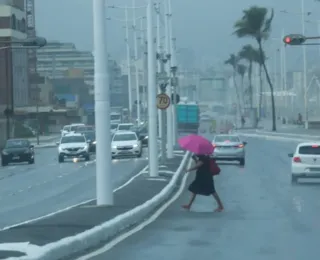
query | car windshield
[90, 135]
[66, 128]
[309, 150]
[17, 143]
[114, 126]
[143, 130]
[124, 137]
[115, 117]
[125, 127]
[73, 139]
[226, 138]
[74, 128]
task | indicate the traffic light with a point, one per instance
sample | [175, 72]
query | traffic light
[294, 39]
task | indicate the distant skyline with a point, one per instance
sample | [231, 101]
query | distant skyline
[204, 28]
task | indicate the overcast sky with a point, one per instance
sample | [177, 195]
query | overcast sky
[205, 26]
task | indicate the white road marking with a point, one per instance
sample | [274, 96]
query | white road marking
[148, 221]
[23, 247]
[157, 179]
[73, 206]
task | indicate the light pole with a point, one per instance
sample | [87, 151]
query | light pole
[159, 70]
[152, 111]
[304, 52]
[169, 89]
[128, 63]
[136, 62]
[104, 190]
[173, 74]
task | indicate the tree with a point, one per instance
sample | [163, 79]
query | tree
[242, 69]
[249, 54]
[255, 24]
[260, 59]
[233, 62]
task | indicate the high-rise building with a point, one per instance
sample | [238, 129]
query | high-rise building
[13, 61]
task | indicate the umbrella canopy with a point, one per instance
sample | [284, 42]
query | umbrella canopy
[196, 144]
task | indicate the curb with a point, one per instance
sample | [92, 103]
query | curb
[45, 146]
[69, 246]
[287, 134]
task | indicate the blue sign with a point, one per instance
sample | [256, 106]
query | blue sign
[88, 107]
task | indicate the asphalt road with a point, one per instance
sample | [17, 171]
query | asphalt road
[31, 191]
[265, 216]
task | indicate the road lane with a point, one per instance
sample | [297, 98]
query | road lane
[265, 216]
[47, 188]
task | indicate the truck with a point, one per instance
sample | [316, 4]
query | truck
[188, 117]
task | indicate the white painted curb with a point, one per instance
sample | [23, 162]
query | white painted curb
[279, 138]
[71, 245]
[45, 146]
[288, 134]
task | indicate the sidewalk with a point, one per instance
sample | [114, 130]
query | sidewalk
[85, 217]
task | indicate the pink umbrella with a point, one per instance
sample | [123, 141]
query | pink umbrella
[196, 144]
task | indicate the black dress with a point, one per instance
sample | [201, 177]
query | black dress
[203, 184]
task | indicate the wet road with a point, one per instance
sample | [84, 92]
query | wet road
[31, 191]
[265, 216]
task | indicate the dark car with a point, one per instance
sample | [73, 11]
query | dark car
[142, 133]
[91, 138]
[17, 150]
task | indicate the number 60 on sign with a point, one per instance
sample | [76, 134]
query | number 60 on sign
[163, 101]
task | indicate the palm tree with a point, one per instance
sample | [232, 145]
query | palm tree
[233, 62]
[242, 69]
[260, 59]
[248, 53]
[255, 24]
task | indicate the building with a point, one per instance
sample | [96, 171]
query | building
[54, 59]
[13, 61]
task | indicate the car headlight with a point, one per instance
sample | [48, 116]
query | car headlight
[146, 137]
[27, 151]
[135, 145]
[94, 142]
[114, 147]
[4, 153]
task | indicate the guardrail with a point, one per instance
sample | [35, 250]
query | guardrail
[69, 246]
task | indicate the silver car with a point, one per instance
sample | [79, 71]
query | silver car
[229, 148]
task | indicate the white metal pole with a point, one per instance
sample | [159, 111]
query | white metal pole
[128, 63]
[169, 90]
[159, 65]
[304, 51]
[102, 106]
[173, 65]
[285, 76]
[152, 95]
[136, 62]
[281, 89]
[142, 56]
[318, 26]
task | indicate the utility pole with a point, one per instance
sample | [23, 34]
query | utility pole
[38, 120]
[169, 89]
[104, 187]
[152, 109]
[136, 62]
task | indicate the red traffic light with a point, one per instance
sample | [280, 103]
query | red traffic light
[294, 39]
[287, 40]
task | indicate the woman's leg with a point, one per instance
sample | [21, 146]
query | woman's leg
[218, 200]
[188, 206]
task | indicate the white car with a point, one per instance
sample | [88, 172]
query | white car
[65, 130]
[305, 161]
[73, 146]
[114, 127]
[125, 127]
[126, 143]
[74, 127]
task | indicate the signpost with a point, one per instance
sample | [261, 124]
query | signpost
[163, 101]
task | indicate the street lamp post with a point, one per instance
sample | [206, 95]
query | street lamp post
[136, 61]
[169, 89]
[304, 52]
[104, 190]
[128, 63]
[152, 110]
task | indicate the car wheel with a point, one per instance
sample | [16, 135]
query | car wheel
[242, 162]
[294, 179]
[31, 161]
[4, 163]
[87, 157]
[60, 159]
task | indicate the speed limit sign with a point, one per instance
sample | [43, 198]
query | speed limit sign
[163, 101]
